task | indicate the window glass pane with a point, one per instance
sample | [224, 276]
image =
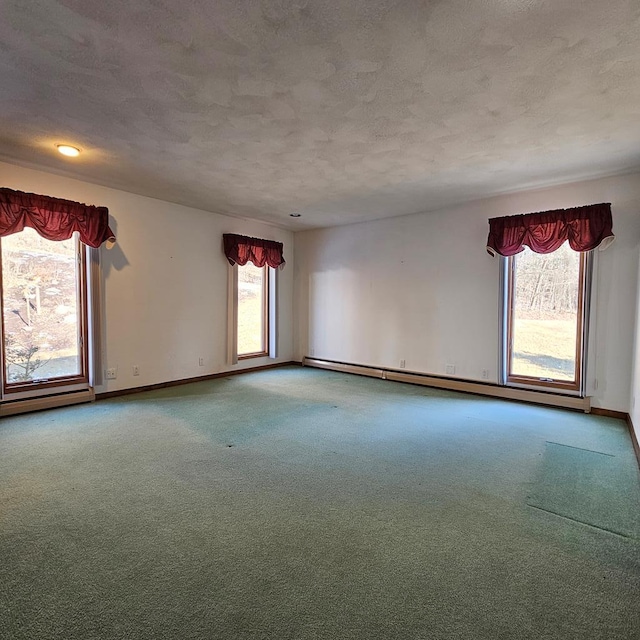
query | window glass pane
[545, 314]
[251, 309]
[41, 307]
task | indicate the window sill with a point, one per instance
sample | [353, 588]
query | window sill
[249, 356]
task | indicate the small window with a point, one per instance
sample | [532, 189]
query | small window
[545, 318]
[253, 311]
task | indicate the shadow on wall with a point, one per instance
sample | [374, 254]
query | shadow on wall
[113, 258]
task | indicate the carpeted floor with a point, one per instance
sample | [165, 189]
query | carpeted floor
[298, 503]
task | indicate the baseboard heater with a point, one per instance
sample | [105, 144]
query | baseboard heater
[456, 384]
[27, 405]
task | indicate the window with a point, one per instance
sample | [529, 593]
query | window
[252, 314]
[253, 311]
[44, 313]
[545, 300]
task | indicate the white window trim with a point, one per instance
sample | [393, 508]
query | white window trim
[273, 312]
[232, 315]
[95, 309]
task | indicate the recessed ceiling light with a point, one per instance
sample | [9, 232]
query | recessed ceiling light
[67, 150]
[295, 215]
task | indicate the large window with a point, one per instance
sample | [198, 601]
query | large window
[44, 312]
[545, 318]
[253, 311]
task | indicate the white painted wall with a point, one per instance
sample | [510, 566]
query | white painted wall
[165, 282]
[422, 288]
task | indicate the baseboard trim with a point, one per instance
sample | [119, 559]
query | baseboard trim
[609, 413]
[176, 383]
[359, 370]
[29, 405]
[621, 415]
[457, 384]
[634, 438]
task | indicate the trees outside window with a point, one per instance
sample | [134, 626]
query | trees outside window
[253, 311]
[546, 311]
[44, 315]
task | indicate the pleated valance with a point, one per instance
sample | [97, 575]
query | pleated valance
[242, 249]
[53, 218]
[585, 228]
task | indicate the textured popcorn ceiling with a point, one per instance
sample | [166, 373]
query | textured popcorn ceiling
[343, 110]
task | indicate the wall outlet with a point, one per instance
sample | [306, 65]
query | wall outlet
[312, 351]
[403, 364]
[485, 374]
[136, 370]
[111, 374]
[201, 362]
[449, 369]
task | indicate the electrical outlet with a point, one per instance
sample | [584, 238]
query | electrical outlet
[485, 374]
[312, 351]
[403, 364]
[136, 370]
[450, 369]
[111, 374]
[201, 362]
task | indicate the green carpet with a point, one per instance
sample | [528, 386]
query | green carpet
[586, 486]
[297, 503]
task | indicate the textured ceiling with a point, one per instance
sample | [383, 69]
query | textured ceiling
[343, 110]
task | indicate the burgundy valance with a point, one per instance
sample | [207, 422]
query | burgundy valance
[53, 218]
[585, 227]
[242, 249]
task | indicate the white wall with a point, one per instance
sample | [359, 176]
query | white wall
[165, 282]
[422, 288]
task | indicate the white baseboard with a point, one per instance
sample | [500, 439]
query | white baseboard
[453, 384]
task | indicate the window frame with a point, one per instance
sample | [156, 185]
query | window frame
[265, 317]
[577, 386]
[36, 388]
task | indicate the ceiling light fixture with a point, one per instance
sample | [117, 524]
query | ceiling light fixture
[295, 215]
[67, 150]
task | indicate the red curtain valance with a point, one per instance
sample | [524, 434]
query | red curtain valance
[585, 227]
[242, 249]
[53, 218]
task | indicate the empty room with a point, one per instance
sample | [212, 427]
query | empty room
[320, 320]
